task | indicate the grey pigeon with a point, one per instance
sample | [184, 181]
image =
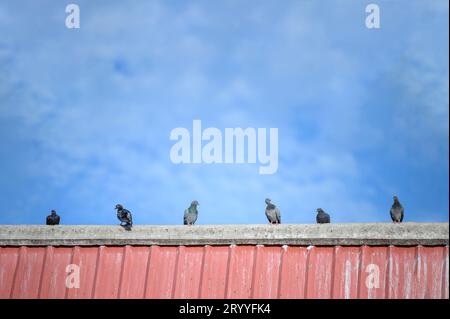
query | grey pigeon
[191, 214]
[322, 217]
[272, 212]
[53, 218]
[397, 211]
[124, 215]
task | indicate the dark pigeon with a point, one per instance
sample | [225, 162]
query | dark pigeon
[272, 212]
[53, 218]
[191, 214]
[124, 215]
[397, 211]
[322, 217]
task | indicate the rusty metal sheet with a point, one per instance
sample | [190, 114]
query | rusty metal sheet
[188, 272]
[134, 272]
[53, 281]
[108, 272]
[86, 259]
[8, 263]
[215, 272]
[27, 276]
[320, 273]
[224, 272]
[267, 272]
[161, 272]
[346, 272]
[293, 272]
[240, 272]
[430, 274]
[401, 272]
[446, 274]
[373, 278]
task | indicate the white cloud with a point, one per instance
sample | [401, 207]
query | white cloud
[99, 106]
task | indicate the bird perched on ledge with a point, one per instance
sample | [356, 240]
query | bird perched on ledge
[191, 214]
[322, 217]
[53, 218]
[124, 215]
[397, 211]
[272, 212]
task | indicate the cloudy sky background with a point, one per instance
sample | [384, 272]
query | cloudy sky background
[85, 115]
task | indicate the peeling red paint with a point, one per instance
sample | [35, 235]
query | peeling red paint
[226, 272]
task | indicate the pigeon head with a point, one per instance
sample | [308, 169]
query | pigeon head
[395, 199]
[119, 207]
[53, 212]
[194, 203]
[320, 210]
[268, 200]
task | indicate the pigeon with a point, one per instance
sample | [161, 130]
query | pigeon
[53, 218]
[397, 211]
[191, 214]
[124, 215]
[272, 212]
[322, 217]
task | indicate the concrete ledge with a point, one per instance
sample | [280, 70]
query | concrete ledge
[349, 234]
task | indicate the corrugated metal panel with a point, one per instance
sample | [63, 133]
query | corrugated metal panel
[134, 272]
[215, 272]
[293, 272]
[240, 272]
[266, 272]
[85, 258]
[54, 272]
[346, 272]
[28, 273]
[373, 256]
[8, 261]
[161, 273]
[188, 272]
[225, 272]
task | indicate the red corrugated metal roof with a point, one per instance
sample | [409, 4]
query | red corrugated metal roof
[224, 272]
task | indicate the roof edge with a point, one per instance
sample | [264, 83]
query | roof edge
[345, 234]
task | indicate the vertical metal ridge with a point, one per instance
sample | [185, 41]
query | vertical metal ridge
[255, 260]
[48, 250]
[444, 272]
[415, 290]
[97, 266]
[416, 259]
[66, 293]
[305, 289]
[202, 270]
[20, 252]
[387, 276]
[333, 271]
[227, 272]
[122, 268]
[175, 274]
[283, 251]
[427, 292]
[359, 272]
[150, 249]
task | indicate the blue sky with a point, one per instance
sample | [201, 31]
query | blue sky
[86, 114]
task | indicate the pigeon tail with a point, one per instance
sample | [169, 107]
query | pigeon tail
[127, 227]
